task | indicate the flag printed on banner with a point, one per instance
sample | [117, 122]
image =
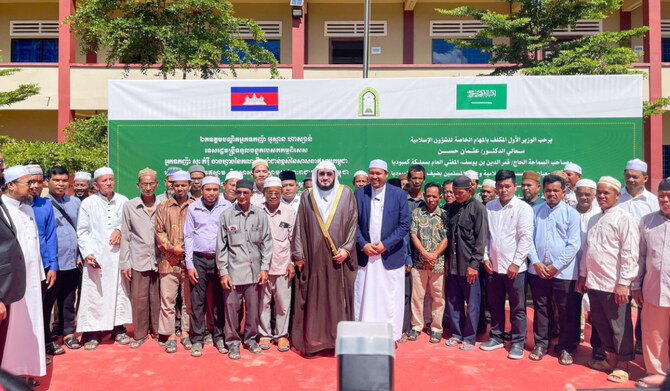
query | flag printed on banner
[254, 98]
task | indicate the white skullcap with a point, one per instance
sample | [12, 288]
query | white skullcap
[360, 172]
[573, 167]
[82, 176]
[609, 181]
[34, 169]
[208, 180]
[15, 172]
[257, 162]
[102, 171]
[489, 182]
[378, 163]
[234, 175]
[472, 175]
[181, 175]
[272, 181]
[636, 164]
[586, 183]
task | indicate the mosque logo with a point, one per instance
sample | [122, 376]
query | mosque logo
[368, 103]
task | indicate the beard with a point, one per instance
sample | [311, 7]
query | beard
[325, 187]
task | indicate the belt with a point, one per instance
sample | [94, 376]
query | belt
[204, 255]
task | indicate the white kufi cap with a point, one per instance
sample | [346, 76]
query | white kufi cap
[15, 172]
[636, 164]
[272, 181]
[489, 182]
[586, 183]
[378, 163]
[472, 174]
[34, 169]
[102, 171]
[181, 175]
[573, 167]
[234, 175]
[208, 180]
[82, 176]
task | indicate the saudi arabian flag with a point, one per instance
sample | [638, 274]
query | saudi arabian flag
[448, 125]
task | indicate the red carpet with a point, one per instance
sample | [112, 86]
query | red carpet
[419, 365]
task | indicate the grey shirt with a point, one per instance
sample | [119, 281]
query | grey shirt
[244, 244]
[138, 243]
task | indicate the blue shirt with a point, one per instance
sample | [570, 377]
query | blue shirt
[67, 235]
[556, 239]
[46, 228]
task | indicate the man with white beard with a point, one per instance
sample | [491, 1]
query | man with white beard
[24, 350]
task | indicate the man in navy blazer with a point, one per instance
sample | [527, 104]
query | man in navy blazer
[383, 221]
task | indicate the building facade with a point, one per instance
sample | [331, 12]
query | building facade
[323, 41]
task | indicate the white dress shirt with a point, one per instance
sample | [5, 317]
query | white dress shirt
[611, 250]
[654, 274]
[295, 203]
[510, 234]
[584, 226]
[639, 206]
[376, 214]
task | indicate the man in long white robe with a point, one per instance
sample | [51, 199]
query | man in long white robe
[24, 351]
[105, 299]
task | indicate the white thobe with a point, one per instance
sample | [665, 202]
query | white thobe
[584, 219]
[638, 206]
[105, 299]
[379, 294]
[24, 351]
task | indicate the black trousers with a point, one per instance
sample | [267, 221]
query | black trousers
[614, 324]
[407, 315]
[63, 292]
[497, 285]
[545, 293]
[208, 274]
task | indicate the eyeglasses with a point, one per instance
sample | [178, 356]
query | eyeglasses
[2, 162]
[29, 183]
[148, 185]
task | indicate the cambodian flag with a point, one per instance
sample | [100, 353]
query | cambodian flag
[254, 98]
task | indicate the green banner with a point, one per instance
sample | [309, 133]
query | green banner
[445, 147]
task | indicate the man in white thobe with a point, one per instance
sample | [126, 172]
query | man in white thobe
[105, 298]
[24, 351]
[384, 220]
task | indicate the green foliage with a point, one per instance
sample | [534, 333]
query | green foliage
[183, 35]
[651, 108]
[530, 30]
[85, 148]
[23, 92]
[601, 54]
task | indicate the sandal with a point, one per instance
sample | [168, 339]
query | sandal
[618, 376]
[91, 344]
[468, 346]
[413, 335]
[599, 354]
[234, 353]
[453, 341]
[565, 358]
[136, 343]
[54, 349]
[435, 337]
[254, 348]
[32, 382]
[207, 339]
[186, 342]
[538, 353]
[600, 365]
[72, 343]
[171, 346]
[122, 339]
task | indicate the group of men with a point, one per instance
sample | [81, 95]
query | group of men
[420, 256]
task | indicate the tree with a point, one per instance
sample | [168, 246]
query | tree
[531, 33]
[182, 35]
[23, 92]
[85, 147]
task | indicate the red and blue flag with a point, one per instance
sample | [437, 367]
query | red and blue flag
[254, 98]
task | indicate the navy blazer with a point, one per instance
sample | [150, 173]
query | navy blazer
[396, 221]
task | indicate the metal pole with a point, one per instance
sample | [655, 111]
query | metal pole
[366, 40]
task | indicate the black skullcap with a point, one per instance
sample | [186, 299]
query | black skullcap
[245, 184]
[287, 175]
[664, 184]
[462, 182]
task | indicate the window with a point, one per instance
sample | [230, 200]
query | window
[346, 51]
[665, 49]
[34, 50]
[447, 53]
[272, 45]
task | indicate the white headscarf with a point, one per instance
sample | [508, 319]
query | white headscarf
[324, 199]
